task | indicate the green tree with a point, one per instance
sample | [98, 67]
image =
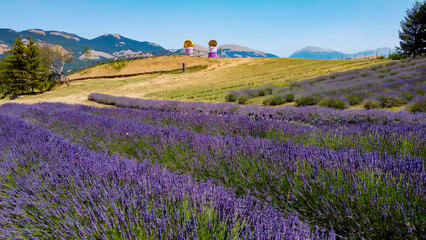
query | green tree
[86, 52]
[15, 76]
[413, 34]
[36, 68]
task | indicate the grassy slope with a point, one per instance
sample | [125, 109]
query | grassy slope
[210, 84]
[213, 87]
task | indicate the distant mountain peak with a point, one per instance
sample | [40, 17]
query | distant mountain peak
[65, 35]
[115, 35]
[239, 48]
[37, 31]
[238, 51]
[316, 49]
[313, 52]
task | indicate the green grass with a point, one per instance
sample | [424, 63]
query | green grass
[201, 83]
[278, 72]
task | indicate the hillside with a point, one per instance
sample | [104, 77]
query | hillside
[142, 66]
[312, 52]
[105, 46]
[209, 84]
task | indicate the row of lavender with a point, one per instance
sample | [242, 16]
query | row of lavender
[388, 85]
[400, 138]
[358, 194]
[54, 189]
[311, 115]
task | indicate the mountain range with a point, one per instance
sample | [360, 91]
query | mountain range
[107, 46]
[312, 52]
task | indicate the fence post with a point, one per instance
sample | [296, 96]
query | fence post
[184, 66]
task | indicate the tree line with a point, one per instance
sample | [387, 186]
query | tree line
[31, 67]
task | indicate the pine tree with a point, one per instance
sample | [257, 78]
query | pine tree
[413, 34]
[35, 67]
[15, 73]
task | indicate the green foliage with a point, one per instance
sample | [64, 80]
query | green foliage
[418, 105]
[371, 104]
[118, 65]
[420, 91]
[396, 56]
[242, 99]
[309, 100]
[290, 97]
[413, 33]
[261, 92]
[24, 70]
[388, 101]
[407, 95]
[332, 103]
[269, 90]
[36, 68]
[354, 99]
[231, 96]
[15, 72]
[274, 100]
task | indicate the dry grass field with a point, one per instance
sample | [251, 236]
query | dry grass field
[207, 83]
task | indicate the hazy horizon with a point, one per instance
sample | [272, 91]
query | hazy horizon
[276, 27]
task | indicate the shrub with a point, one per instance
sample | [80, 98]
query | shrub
[274, 100]
[332, 103]
[242, 99]
[231, 96]
[249, 93]
[269, 89]
[420, 91]
[290, 97]
[396, 56]
[388, 101]
[380, 57]
[418, 105]
[408, 95]
[354, 99]
[308, 100]
[261, 92]
[370, 104]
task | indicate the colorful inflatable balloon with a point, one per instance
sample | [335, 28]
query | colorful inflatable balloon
[212, 49]
[189, 47]
[212, 43]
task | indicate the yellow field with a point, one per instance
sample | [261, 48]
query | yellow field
[209, 84]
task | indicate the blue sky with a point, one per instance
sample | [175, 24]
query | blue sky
[280, 27]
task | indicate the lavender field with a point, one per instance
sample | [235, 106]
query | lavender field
[388, 85]
[183, 170]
